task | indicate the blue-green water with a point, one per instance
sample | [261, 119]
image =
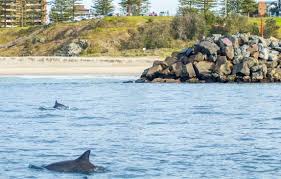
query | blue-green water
[140, 130]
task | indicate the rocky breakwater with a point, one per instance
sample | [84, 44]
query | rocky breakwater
[236, 58]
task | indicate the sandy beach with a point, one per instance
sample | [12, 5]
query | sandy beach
[74, 65]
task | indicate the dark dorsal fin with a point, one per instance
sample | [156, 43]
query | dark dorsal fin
[85, 156]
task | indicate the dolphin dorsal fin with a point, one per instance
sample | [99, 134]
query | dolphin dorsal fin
[85, 156]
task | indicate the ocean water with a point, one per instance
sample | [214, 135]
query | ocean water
[140, 130]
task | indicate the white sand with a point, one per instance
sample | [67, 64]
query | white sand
[74, 65]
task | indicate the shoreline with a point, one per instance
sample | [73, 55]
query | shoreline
[72, 66]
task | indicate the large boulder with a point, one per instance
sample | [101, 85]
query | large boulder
[204, 69]
[162, 63]
[258, 72]
[190, 70]
[195, 58]
[229, 52]
[74, 48]
[209, 48]
[243, 68]
[179, 71]
[264, 52]
[273, 55]
[154, 72]
[170, 60]
[275, 74]
[226, 47]
[223, 66]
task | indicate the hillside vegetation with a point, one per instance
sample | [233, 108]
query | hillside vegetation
[105, 37]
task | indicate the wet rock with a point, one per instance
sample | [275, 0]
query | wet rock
[141, 80]
[154, 72]
[161, 80]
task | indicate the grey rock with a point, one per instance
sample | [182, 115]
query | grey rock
[170, 60]
[209, 48]
[154, 72]
[264, 53]
[241, 69]
[178, 70]
[204, 69]
[273, 55]
[190, 70]
[223, 66]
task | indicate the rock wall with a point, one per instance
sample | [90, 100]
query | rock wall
[236, 58]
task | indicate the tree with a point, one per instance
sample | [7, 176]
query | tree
[3, 13]
[190, 25]
[233, 6]
[61, 10]
[187, 6]
[135, 7]
[103, 7]
[206, 5]
[248, 6]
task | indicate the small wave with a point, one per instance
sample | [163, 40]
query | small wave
[9, 111]
[53, 109]
[87, 117]
[35, 167]
[100, 169]
[276, 118]
[46, 109]
[202, 107]
[208, 113]
[42, 116]
[156, 123]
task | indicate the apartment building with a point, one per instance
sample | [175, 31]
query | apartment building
[21, 13]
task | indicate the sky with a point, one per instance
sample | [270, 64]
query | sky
[156, 5]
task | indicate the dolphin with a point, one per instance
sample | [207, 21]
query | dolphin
[79, 165]
[60, 106]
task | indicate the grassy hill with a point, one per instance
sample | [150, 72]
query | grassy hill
[104, 37]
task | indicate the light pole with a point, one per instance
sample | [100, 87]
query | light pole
[262, 11]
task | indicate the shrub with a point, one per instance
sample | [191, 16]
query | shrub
[188, 26]
[151, 35]
[271, 28]
[254, 29]
[235, 23]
